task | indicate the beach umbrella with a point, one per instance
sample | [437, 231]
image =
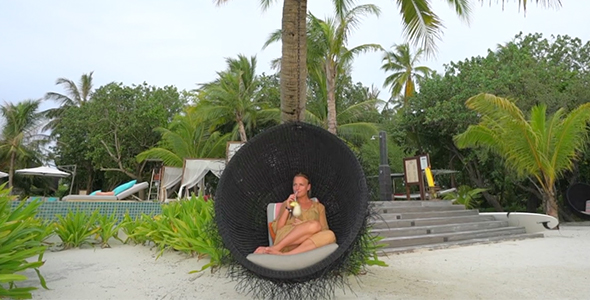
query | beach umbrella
[42, 171]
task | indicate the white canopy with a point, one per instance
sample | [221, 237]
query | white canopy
[170, 177]
[195, 170]
[43, 171]
[2, 174]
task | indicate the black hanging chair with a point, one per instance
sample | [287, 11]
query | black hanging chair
[577, 195]
[262, 171]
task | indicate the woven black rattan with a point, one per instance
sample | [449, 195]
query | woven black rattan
[262, 172]
[577, 195]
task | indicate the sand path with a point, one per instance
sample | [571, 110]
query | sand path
[554, 267]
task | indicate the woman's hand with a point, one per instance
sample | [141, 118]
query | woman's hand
[291, 198]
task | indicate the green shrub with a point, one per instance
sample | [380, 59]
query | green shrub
[76, 228]
[21, 235]
[185, 226]
[107, 229]
[467, 196]
[364, 253]
[147, 229]
[130, 226]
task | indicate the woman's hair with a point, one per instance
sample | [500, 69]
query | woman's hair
[304, 176]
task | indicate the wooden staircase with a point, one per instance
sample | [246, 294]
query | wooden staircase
[407, 226]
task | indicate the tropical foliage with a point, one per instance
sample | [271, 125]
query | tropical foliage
[421, 25]
[21, 138]
[406, 75]
[232, 96]
[107, 227]
[104, 136]
[328, 57]
[529, 69]
[187, 226]
[21, 237]
[465, 195]
[539, 147]
[75, 95]
[187, 136]
[76, 228]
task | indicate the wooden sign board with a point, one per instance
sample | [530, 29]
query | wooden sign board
[413, 175]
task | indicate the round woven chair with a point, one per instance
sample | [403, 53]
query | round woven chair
[262, 171]
[577, 195]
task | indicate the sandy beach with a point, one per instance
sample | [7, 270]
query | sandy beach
[554, 267]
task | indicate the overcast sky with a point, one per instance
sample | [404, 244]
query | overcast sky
[183, 43]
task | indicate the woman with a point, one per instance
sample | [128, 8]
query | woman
[306, 232]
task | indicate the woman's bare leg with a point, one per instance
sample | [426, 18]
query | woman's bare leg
[297, 236]
[305, 246]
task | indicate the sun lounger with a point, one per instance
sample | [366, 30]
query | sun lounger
[121, 196]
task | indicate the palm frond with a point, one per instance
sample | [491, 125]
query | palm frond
[274, 37]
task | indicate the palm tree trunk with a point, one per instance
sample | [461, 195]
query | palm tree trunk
[293, 61]
[550, 202]
[242, 131]
[331, 81]
[11, 170]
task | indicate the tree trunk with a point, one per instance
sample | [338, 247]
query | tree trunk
[242, 131]
[331, 81]
[476, 178]
[293, 61]
[550, 203]
[11, 170]
[89, 179]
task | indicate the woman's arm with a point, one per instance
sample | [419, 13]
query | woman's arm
[281, 220]
[322, 212]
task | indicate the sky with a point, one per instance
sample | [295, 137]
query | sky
[184, 43]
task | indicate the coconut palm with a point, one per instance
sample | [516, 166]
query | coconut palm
[421, 25]
[75, 95]
[187, 136]
[231, 97]
[406, 74]
[20, 136]
[352, 126]
[540, 148]
[327, 52]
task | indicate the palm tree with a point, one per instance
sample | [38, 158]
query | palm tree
[330, 38]
[421, 25]
[540, 148]
[20, 138]
[187, 136]
[327, 54]
[76, 95]
[231, 97]
[351, 124]
[405, 72]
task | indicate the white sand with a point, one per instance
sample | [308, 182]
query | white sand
[554, 267]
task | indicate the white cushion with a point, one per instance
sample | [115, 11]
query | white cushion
[292, 262]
